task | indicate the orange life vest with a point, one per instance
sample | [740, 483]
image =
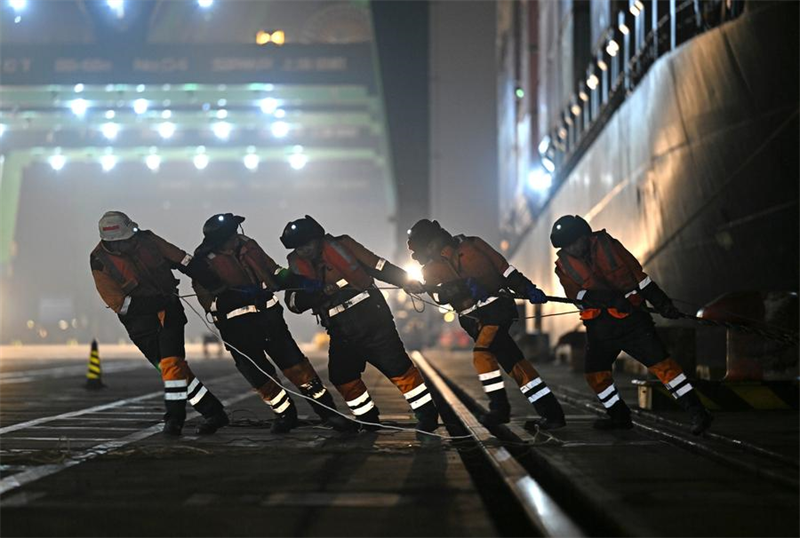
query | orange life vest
[243, 266]
[157, 277]
[338, 257]
[606, 271]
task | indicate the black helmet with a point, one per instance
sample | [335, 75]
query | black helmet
[568, 229]
[421, 235]
[218, 228]
[299, 232]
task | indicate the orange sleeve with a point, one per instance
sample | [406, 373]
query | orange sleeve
[110, 291]
[168, 250]
[364, 255]
[571, 288]
[497, 260]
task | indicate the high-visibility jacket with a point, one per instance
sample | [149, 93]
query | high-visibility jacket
[469, 257]
[147, 271]
[343, 262]
[609, 266]
[246, 264]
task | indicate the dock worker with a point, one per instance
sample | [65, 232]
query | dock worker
[599, 271]
[132, 271]
[470, 276]
[250, 320]
[356, 316]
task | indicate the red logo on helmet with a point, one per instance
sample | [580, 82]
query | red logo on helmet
[109, 228]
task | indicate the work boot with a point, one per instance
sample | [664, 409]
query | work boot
[427, 418]
[699, 415]
[285, 421]
[373, 415]
[499, 409]
[211, 424]
[172, 428]
[619, 418]
[552, 415]
[323, 405]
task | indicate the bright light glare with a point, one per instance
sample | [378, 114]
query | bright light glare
[2, 130]
[166, 130]
[298, 161]
[140, 106]
[205, 4]
[548, 165]
[544, 144]
[108, 162]
[153, 162]
[57, 162]
[222, 130]
[200, 161]
[414, 271]
[166, 114]
[279, 129]
[79, 106]
[592, 81]
[251, 161]
[539, 180]
[268, 105]
[18, 5]
[79, 88]
[110, 130]
[110, 114]
[280, 113]
[222, 114]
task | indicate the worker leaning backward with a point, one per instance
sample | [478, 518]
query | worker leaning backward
[250, 320]
[132, 270]
[598, 270]
[355, 313]
[470, 276]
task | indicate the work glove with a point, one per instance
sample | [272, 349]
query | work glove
[535, 295]
[660, 301]
[476, 291]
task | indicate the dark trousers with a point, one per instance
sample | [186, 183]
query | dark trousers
[159, 340]
[365, 333]
[607, 336]
[258, 334]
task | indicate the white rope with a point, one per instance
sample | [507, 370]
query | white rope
[290, 391]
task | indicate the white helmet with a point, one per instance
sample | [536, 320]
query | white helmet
[116, 226]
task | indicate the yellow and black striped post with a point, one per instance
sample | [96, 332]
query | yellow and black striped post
[94, 375]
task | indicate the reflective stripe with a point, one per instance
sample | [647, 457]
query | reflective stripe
[286, 405]
[338, 309]
[186, 260]
[278, 270]
[126, 303]
[198, 396]
[250, 309]
[683, 390]
[478, 305]
[174, 395]
[528, 386]
[508, 271]
[277, 399]
[573, 274]
[364, 408]
[213, 307]
[630, 293]
[611, 402]
[358, 401]
[380, 264]
[292, 304]
[211, 255]
[680, 378]
[493, 387]
[193, 385]
[581, 295]
[416, 390]
[489, 375]
[644, 283]
[342, 283]
[544, 392]
[422, 401]
[175, 383]
[606, 393]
